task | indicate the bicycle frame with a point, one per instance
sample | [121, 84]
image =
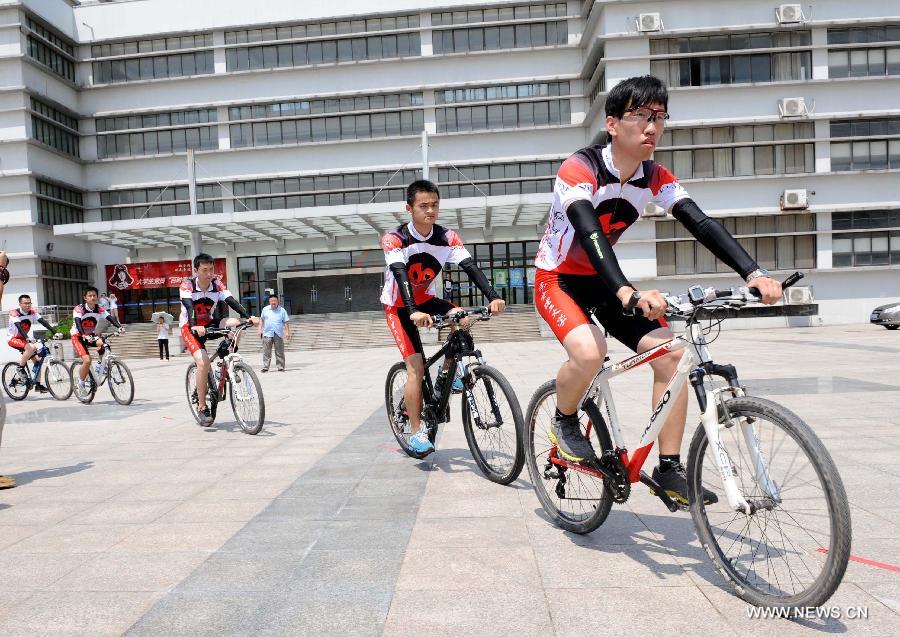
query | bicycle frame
[694, 365]
[452, 351]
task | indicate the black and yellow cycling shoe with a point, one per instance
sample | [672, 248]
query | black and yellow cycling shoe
[570, 441]
[674, 482]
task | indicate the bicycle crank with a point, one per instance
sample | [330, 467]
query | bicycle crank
[615, 476]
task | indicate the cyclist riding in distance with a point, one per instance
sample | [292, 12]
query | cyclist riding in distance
[199, 295]
[20, 331]
[86, 316]
[415, 252]
[599, 193]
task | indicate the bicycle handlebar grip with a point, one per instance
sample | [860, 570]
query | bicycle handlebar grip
[791, 280]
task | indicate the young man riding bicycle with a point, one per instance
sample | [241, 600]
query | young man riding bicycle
[415, 253]
[600, 191]
[199, 295]
[86, 317]
[20, 331]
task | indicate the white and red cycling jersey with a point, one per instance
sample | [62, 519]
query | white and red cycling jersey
[204, 300]
[424, 258]
[25, 321]
[589, 175]
[89, 318]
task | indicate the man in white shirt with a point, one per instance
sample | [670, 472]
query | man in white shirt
[274, 329]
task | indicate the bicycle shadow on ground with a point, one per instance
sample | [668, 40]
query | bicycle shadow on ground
[27, 477]
[460, 461]
[232, 426]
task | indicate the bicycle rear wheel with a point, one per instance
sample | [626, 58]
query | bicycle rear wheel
[121, 384]
[494, 437]
[575, 501]
[190, 384]
[793, 550]
[14, 382]
[58, 380]
[247, 401]
[90, 385]
[395, 404]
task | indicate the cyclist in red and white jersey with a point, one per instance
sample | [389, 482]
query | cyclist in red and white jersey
[21, 331]
[415, 253]
[599, 192]
[86, 316]
[199, 295]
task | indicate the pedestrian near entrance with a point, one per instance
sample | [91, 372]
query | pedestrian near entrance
[274, 329]
[448, 289]
[162, 335]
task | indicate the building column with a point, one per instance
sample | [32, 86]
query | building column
[425, 33]
[223, 132]
[823, 241]
[823, 148]
[430, 119]
[219, 52]
[819, 37]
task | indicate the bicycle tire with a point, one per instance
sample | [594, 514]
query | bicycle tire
[832, 554]
[190, 386]
[394, 404]
[12, 379]
[599, 502]
[497, 465]
[242, 369]
[84, 399]
[118, 367]
[61, 373]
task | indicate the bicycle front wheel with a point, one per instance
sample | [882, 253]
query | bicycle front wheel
[577, 502]
[793, 550]
[121, 384]
[58, 380]
[15, 383]
[190, 385]
[247, 401]
[493, 428]
[85, 396]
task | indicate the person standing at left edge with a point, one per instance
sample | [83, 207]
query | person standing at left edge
[274, 329]
[6, 482]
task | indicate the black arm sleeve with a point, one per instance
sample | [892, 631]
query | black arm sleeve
[237, 307]
[78, 326]
[590, 235]
[22, 331]
[188, 305]
[46, 324]
[714, 237]
[477, 277]
[403, 286]
[112, 319]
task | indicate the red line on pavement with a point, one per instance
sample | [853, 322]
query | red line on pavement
[862, 560]
[388, 447]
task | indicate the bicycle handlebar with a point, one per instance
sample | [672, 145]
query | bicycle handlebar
[453, 317]
[226, 331]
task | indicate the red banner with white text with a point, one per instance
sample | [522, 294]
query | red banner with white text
[156, 274]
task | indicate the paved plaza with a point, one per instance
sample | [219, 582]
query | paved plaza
[133, 520]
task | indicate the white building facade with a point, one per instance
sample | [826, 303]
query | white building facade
[306, 123]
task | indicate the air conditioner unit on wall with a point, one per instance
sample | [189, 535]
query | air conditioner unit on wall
[647, 22]
[792, 107]
[789, 14]
[795, 199]
[798, 295]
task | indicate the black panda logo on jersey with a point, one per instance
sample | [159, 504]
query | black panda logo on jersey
[422, 268]
[88, 324]
[26, 325]
[203, 311]
[615, 216]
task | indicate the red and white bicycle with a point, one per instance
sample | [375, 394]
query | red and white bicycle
[780, 531]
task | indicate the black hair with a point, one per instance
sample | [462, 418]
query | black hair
[90, 288]
[24, 296]
[634, 93]
[202, 258]
[272, 296]
[420, 185]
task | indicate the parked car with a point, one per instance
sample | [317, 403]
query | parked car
[886, 315]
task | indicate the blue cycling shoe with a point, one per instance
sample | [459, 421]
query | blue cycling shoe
[457, 386]
[420, 444]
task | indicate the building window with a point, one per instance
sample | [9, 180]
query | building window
[305, 121]
[731, 151]
[875, 239]
[55, 128]
[509, 267]
[50, 48]
[305, 44]
[511, 106]
[134, 60]
[520, 27]
[171, 201]
[157, 133]
[864, 61]
[58, 204]
[711, 60]
[64, 282]
[865, 144]
[782, 242]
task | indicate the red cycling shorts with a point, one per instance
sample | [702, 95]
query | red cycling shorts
[80, 345]
[404, 331]
[566, 301]
[18, 343]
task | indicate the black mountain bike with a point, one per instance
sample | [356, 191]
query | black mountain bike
[491, 413]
